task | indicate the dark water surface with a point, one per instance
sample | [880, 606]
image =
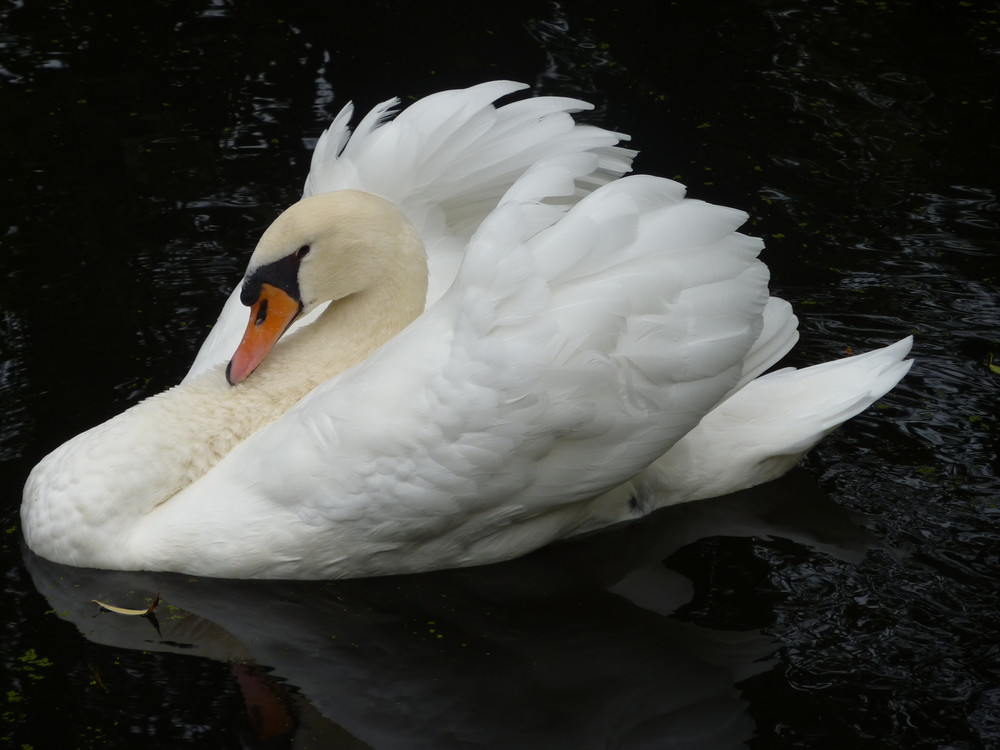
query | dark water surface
[851, 605]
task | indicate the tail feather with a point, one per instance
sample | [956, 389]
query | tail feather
[762, 430]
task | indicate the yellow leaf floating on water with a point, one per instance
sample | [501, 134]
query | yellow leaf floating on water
[993, 367]
[126, 611]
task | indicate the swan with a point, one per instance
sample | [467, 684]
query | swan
[475, 334]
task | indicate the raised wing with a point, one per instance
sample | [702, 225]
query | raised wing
[445, 161]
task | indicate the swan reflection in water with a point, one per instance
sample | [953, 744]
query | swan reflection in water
[573, 646]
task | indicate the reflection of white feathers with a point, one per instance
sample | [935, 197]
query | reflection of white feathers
[579, 325]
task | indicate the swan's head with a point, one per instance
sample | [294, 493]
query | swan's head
[323, 248]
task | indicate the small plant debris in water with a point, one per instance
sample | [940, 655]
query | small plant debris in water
[133, 612]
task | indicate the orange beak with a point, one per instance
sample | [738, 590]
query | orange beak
[270, 317]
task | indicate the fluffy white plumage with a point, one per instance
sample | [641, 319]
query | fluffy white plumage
[581, 330]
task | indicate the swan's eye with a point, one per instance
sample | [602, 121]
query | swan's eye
[302, 251]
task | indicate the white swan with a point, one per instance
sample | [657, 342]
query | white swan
[571, 369]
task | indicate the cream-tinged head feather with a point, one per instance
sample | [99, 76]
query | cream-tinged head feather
[338, 244]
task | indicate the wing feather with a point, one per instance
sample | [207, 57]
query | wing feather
[446, 161]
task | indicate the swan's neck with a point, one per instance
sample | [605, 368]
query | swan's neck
[345, 334]
[93, 488]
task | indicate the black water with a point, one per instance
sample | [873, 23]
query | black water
[852, 604]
